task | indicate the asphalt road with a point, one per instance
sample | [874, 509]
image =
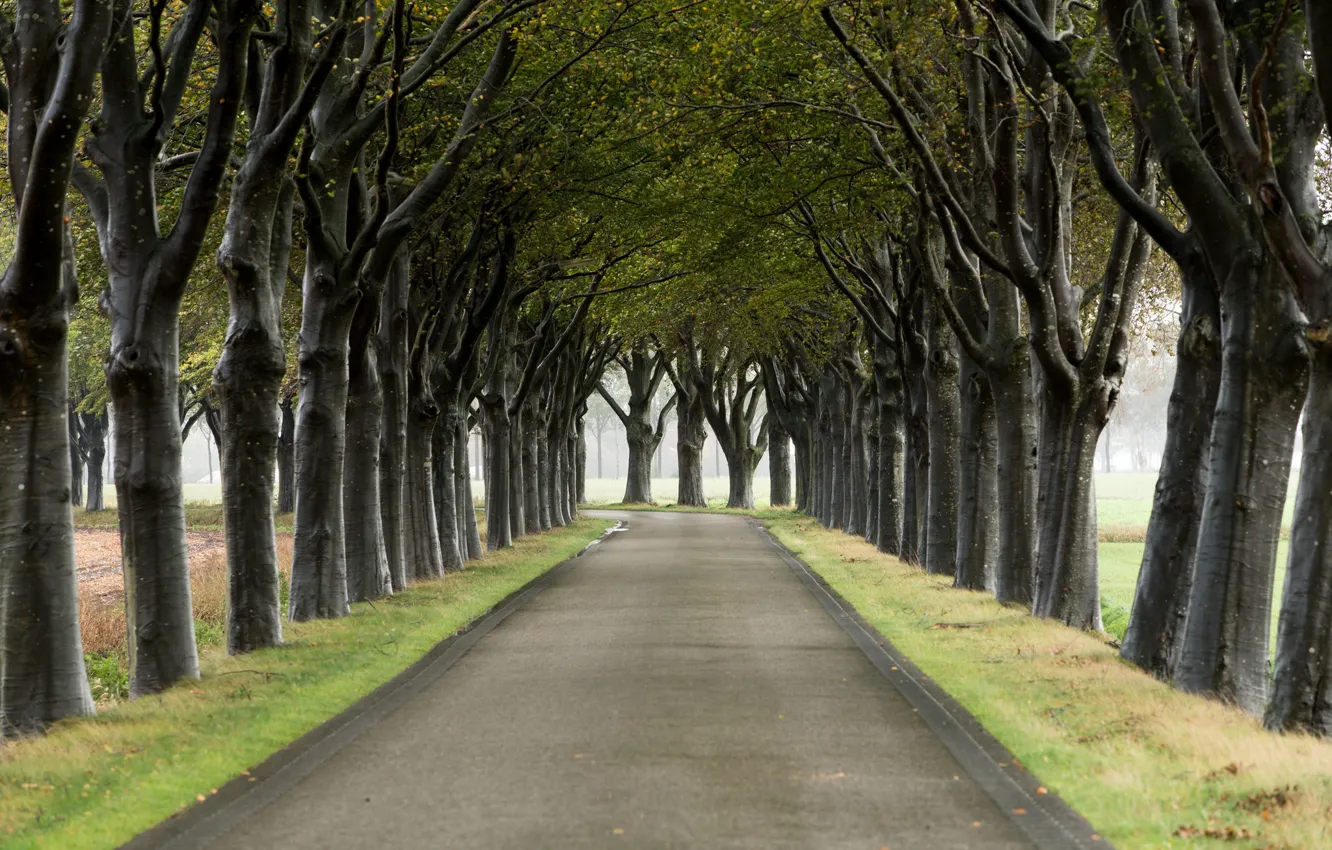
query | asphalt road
[677, 687]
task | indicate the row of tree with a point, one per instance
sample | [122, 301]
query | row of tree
[958, 424]
[913, 241]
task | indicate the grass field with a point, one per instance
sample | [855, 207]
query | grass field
[1149, 766]
[96, 782]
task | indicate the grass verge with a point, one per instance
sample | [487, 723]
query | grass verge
[1148, 765]
[97, 782]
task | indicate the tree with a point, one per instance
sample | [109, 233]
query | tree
[51, 74]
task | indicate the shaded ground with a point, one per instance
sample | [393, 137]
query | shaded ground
[678, 687]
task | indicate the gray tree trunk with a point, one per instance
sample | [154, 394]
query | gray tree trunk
[444, 479]
[319, 564]
[368, 575]
[1264, 369]
[75, 459]
[691, 436]
[467, 527]
[286, 457]
[1160, 602]
[498, 479]
[942, 392]
[42, 677]
[977, 488]
[94, 436]
[890, 455]
[420, 533]
[779, 463]
[142, 376]
[393, 335]
[1302, 685]
[1016, 479]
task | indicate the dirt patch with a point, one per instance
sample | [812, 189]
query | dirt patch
[97, 555]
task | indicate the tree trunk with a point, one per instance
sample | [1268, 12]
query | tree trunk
[916, 475]
[498, 534]
[393, 368]
[840, 455]
[1302, 681]
[420, 533]
[286, 457]
[143, 378]
[319, 565]
[1264, 369]
[977, 493]
[740, 490]
[1161, 600]
[691, 436]
[75, 459]
[1067, 583]
[779, 463]
[804, 474]
[890, 456]
[942, 392]
[531, 472]
[857, 506]
[571, 477]
[444, 480]
[638, 487]
[368, 574]
[1015, 457]
[580, 466]
[543, 471]
[517, 518]
[41, 670]
[94, 435]
[467, 529]
[247, 381]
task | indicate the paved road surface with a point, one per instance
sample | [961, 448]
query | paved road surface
[678, 687]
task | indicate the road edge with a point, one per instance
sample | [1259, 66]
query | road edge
[282, 770]
[1047, 820]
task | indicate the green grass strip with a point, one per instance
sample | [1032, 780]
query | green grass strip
[1146, 764]
[97, 782]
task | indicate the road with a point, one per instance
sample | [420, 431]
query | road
[678, 686]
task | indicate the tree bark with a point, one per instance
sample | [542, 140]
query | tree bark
[1264, 369]
[1302, 681]
[94, 436]
[421, 546]
[42, 677]
[978, 493]
[942, 393]
[75, 459]
[143, 375]
[319, 563]
[444, 479]
[1016, 478]
[779, 463]
[890, 457]
[286, 457]
[1161, 600]
[368, 574]
[498, 494]
[393, 335]
[467, 527]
